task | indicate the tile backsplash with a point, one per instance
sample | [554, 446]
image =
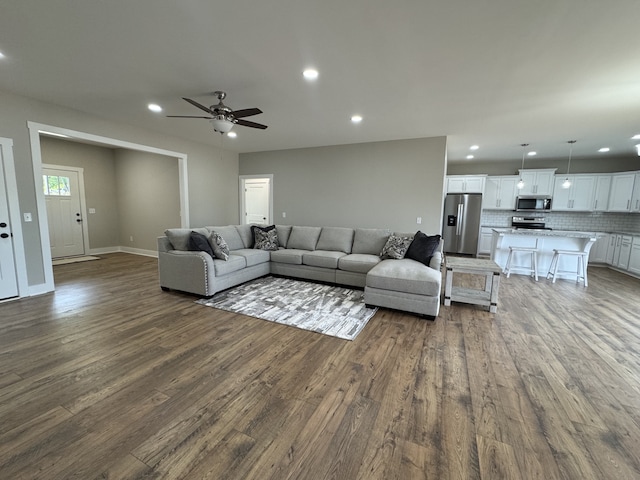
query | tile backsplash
[584, 221]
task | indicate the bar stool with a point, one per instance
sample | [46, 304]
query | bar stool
[582, 258]
[532, 268]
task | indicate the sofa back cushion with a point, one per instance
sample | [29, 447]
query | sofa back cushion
[284, 231]
[336, 239]
[304, 238]
[179, 237]
[230, 235]
[370, 240]
[246, 234]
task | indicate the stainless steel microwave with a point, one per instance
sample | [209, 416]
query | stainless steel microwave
[529, 203]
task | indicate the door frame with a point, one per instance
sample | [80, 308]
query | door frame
[83, 202]
[6, 144]
[36, 160]
[241, 184]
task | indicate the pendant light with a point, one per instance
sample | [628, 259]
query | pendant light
[520, 183]
[567, 182]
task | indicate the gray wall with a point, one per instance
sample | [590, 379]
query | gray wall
[207, 165]
[98, 164]
[381, 184]
[592, 165]
[148, 197]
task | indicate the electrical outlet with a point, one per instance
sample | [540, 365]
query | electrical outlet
[131, 238]
[419, 220]
[92, 210]
[284, 214]
[27, 217]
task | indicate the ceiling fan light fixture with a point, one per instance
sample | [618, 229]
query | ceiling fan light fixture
[222, 125]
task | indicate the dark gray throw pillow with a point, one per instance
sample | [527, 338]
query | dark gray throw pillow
[199, 243]
[423, 247]
[265, 238]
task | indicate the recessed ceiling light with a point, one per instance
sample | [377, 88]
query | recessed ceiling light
[604, 149]
[636, 137]
[356, 119]
[310, 74]
[154, 107]
[1, 55]
[532, 154]
[232, 134]
[474, 147]
[469, 157]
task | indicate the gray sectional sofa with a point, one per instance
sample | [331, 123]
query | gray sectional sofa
[343, 256]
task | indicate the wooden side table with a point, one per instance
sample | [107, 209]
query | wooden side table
[476, 266]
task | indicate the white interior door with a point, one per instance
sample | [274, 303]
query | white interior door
[257, 195]
[8, 278]
[64, 212]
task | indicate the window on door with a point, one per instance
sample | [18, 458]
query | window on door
[56, 185]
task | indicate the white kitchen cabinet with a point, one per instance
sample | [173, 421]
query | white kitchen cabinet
[625, 252]
[578, 197]
[635, 197]
[598, 252]
[465, 183]
[537, 181]
[500, 192]
[601, 195]
[611, 248]
[484, 241]
[621, 192]
[634, 258]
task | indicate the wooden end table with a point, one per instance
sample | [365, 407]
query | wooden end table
[476, 266]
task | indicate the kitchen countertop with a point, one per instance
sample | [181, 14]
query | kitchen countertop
[544, 233]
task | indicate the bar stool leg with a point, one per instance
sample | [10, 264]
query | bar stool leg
[551, 265]
[555, 266]
[507, 267]
[534, 261]
[584, 270]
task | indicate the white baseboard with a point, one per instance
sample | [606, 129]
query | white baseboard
[133, 251]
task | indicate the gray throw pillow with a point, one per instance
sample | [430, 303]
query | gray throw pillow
[396, 247]
[265, 238]
[200, 243]
[219, 246]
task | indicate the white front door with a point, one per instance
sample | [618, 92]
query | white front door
[62, 197]
[8, 279]
[257, 193]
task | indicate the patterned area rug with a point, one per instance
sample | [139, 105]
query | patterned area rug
[336, 311]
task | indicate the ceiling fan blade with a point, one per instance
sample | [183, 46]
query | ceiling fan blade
[247, 112]
[196, 104]
[187, 116]
[247, 123]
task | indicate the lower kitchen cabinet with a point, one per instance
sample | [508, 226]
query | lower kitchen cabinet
[634, 257]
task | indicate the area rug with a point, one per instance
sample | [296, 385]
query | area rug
[330, 310]
[64, 261]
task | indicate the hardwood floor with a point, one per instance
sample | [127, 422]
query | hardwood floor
[112, 378]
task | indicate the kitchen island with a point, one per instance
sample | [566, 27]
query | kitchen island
[545, 241]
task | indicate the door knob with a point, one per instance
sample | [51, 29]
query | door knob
[3, 225]
[4, 235]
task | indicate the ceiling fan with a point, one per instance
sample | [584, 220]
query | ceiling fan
[222, 117]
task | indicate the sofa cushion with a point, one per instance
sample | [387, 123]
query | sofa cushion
[369, 240]
[200, 243]
[230, 235]
[246, 234]
[288, 255]
[396, 247]
[304, 238]
[322, 258]
[253, 256]
[423, 247]
[233, 264]
[336, 239]
[405, 275]
[180, 237]
[219, 246]
[265, 238]
[358, 262]
[284, 231]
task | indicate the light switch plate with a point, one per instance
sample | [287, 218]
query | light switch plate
[27, 217]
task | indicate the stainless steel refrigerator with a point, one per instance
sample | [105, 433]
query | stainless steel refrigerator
[461, 222]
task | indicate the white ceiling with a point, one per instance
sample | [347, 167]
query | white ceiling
[496, 73]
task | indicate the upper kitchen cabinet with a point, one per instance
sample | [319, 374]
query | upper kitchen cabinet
[601, 194]
[465, 183]
[635, 197]
[620, 197]
[537, 181]
[578, 197]
[500, 192]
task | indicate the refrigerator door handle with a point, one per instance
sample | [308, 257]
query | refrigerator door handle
[459, 222]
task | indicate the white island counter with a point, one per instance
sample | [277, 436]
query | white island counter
[545, 240]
